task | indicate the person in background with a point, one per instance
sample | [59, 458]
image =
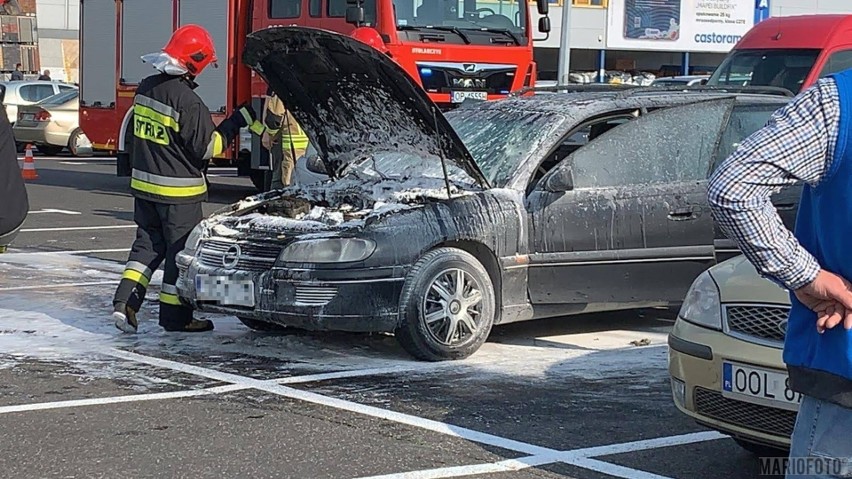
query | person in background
[282, 128]
[14, 203]
[806, 141]
[45, 76]
[17, 75]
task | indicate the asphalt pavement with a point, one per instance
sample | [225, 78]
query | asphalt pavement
[584, 397]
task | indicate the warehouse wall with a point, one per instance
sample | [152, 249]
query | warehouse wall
[59, 32]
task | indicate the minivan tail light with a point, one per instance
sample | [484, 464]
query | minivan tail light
[42, 115]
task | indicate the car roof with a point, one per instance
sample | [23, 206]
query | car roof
[579, 105]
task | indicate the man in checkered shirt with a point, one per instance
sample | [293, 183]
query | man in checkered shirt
[810, 141]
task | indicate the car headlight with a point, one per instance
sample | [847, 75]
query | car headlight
[195, 237]
[328, 250]
[702, 305]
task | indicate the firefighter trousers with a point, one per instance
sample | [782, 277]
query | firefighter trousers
[161, 233]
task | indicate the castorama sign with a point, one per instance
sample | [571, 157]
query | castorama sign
[681, 25]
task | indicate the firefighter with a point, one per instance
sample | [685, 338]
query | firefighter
[282, 127]
[173, 140]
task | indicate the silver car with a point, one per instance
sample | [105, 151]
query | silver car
[27, 92]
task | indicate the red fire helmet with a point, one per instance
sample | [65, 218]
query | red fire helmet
[371, 37]
[192, 47]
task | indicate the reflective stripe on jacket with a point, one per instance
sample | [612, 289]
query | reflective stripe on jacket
[173, 138]
[278, 118]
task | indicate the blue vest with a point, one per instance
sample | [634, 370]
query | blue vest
[824, 228]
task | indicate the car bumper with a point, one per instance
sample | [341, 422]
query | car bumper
[333, 300]
[696, 357]
[40, 135]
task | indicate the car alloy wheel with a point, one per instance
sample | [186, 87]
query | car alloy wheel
[447, 306]
[452, 307]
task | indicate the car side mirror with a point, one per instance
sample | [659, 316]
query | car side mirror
[560, 181]
[315, 165]
[543, 7]
[544, 24]
[355, 15]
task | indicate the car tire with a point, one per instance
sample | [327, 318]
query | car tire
[761, 450]
[50, 150]
[258, 325]
[72, 141]
[430, 290]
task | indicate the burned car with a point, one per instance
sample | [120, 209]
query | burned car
[437, 229]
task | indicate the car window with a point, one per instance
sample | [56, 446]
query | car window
[36, 93]
[837, 62]
[66, 88]
[59, 98]
[668, 145]
[745, 120]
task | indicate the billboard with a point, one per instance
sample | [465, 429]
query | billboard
[679, 25]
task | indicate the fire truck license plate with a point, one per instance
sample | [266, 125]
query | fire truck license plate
[460, 96]
[225, 290]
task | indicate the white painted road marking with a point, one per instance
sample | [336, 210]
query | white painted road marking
[51, 210]
[614, 469]
[427, 424]
[57, 285]
[509, 465]
[121, 399]
[78, 228]
[70, 251]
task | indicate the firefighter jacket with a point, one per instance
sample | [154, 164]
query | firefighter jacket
[14, 202]
[277, 119]
[174, 138]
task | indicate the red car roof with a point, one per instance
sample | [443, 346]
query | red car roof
[805, 31]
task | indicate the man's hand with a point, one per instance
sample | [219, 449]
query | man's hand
[830, 296]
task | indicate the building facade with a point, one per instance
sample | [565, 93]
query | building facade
[665, 37]
[59, 38]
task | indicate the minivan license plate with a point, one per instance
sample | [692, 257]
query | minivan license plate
[225, 290]
[758, 385]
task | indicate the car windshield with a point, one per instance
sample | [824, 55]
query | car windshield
[776, 68]
[500, 140]
[463, 15]
[59, 99]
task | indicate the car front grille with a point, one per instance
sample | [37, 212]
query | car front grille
[447, 77]
[769, 420]
[251, 257]
[314, 295]
[758, 322]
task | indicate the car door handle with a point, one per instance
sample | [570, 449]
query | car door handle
[683, 214]
[785, 206]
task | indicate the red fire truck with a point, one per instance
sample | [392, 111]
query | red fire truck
[456, 49]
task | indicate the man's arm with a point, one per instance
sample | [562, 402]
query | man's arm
[796, 145]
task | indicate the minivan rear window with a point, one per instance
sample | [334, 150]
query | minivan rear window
[785, 68]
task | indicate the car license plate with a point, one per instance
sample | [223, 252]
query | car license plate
[225, 290]
[758, 385]
[460, 96]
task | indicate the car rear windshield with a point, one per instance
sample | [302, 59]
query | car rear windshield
[776, 68]
[500, 140]
[59, 99]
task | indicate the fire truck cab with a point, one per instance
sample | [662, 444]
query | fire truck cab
[455, 49]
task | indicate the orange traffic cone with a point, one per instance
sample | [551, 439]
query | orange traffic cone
[29, 172]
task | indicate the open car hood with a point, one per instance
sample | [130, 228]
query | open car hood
[351, 99]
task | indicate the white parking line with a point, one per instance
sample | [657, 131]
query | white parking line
[52, 210]
[70, 251]
[78, 228]
[427, 424]
[509, 465]
[120, 399]
[614, 469]
[656, 443]
[57, 285]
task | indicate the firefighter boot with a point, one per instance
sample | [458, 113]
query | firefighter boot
[125, 318]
